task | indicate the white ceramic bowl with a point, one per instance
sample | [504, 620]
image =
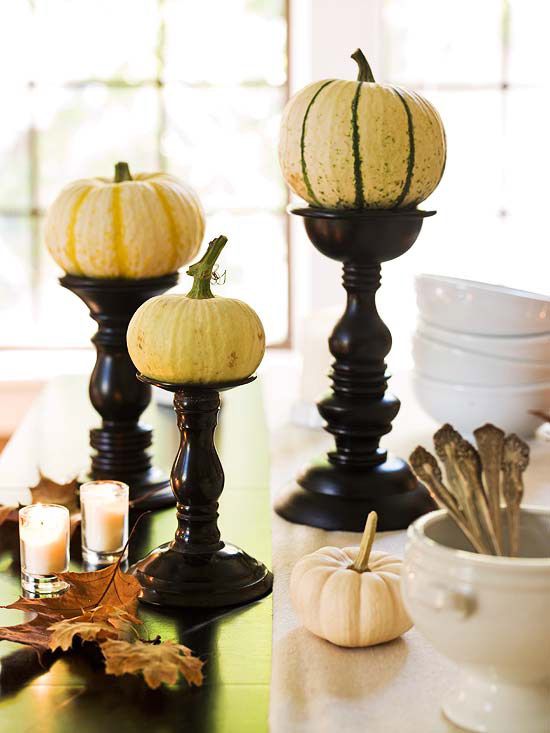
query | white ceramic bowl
[467, 407]
[488, 614]
[451, 363]
[520, 348]
[472, 307]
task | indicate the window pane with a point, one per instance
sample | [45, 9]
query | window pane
[527, 157]
[229, 42]
[84, 132]
[434, 42]
[474, 246]
[224, 142]
[83, 94]
[15, 120]
[463, 246]
[474, 171]
[16, 45]
[255, 262]
[61, 318]
[520, 258]
[496, 249]
[16, 279]
[529, 21]
[95, 39]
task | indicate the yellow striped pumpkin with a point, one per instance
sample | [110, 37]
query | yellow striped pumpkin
[130, 227]
[196, 338]
[361, 145]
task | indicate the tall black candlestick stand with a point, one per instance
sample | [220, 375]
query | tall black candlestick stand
[338, 491]
[121, 445]
[197, 568]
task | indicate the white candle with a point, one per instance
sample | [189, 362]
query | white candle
[44, 533]
[104, 507]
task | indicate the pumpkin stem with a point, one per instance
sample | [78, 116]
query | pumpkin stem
[361, 563]
[122, 173]
[365, 71]
[201, 271]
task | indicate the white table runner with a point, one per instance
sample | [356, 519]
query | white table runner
[392, 688]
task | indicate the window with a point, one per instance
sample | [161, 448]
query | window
[193, 88]
[482, 65]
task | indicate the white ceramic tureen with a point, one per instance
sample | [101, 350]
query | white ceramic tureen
[490, 615]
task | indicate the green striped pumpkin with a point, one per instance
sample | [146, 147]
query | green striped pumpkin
[361, 145]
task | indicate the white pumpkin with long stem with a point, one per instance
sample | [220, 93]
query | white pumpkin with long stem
[130, 227]
[361, 144]
[196, 338]
[350, 596]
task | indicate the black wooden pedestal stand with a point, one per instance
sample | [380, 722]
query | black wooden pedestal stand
[121, 444]
[197, 569]
[337, 492]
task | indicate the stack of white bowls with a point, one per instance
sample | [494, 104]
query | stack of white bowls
[481, 354]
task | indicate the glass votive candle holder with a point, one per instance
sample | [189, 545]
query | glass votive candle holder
[44, 537]
[104, 506]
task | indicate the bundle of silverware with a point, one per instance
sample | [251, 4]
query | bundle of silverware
[477, 484]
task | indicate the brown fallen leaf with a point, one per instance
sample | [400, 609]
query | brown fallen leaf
[48, 491]
[99, 607]
[544, 415]
[110, 628]
[8, 513]
[106, 587]
[99, 625]
[120, 619]
[63, 633]
[102, 593]
[158, 663]
[32, 633]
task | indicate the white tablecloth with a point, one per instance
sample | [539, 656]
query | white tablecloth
[393, 688]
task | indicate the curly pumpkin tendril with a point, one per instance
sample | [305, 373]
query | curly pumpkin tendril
[205, 270]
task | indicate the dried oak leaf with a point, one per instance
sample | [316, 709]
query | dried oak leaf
[98, 625]
[158, 663]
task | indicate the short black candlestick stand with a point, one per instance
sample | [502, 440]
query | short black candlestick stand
[197, 568]
[121, 445]
[338, 492]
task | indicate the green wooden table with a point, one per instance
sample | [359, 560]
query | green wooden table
[74, 694]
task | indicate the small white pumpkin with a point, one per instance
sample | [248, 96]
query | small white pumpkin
[129, 227]
[196, 338]
[360, 144]
[350, 596]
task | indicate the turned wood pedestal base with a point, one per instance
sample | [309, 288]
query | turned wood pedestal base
[389, 489]
[338, 491]
[198, 569]
[121, 445]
